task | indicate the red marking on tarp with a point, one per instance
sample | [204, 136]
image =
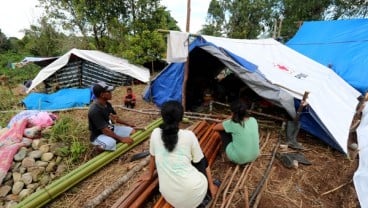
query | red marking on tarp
[282, 67]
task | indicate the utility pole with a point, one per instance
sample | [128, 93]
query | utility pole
[188, 16]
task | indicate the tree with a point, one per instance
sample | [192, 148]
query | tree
[215, 20]
[252, 18]
[43, 40]
[144, 47]
[347, 9]
[114, 26]
[4, 42]
[249, 18]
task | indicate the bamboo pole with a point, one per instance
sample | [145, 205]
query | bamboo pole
[50, 192]
[228, 186]
[237, 185]
[103, 195]
[222, 186]
[259, 196]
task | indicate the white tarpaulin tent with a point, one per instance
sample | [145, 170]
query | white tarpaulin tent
[281, 75]
[97, 61]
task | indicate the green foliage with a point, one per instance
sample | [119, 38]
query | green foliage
[43, 40]
[66, 128]
[4, 42]
[73, 134]
[215, 19]
[144, 47]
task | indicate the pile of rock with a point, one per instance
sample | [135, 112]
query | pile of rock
[33, 168]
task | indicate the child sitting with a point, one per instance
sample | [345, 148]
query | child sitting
[129, 99]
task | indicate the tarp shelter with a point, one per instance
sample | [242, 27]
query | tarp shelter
[273, 71]
[40, 61]
[83, 68]
[340, 44]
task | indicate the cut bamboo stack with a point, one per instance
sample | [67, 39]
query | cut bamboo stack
[210, 143]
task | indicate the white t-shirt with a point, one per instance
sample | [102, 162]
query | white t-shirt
[181, 184]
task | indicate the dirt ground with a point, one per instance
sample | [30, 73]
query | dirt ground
[327, 182]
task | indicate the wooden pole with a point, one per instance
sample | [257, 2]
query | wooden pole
[188, 17]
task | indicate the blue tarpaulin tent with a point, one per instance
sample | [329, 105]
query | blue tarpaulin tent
[339, 44]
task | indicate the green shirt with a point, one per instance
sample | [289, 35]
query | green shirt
[245, 145]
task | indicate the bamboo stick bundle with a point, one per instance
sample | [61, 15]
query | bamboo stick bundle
[206, 142]
[203, 129]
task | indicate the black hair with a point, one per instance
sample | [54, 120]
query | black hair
[172, 114]
[239, 110]
[97, 90]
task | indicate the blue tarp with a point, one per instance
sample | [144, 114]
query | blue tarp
[62, 99]
[340, 44]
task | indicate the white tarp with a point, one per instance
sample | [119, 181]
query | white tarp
[108, 61]
[333, 100]
[361, 175]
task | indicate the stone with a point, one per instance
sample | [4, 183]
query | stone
[4, 190]
[33, 186]
[28, 162]
[51, 167]
[36, 154]
[47, 156]
[36, 173]
[8, 183]
[24, 193]
[45, 179]
[22, 170]
[36, 144]
[41, 163]
[12, 197]
[10, 204]
[17, 176]
[26, 141]
[27, 178]
[16, 166]
[17, 187]
[45, 148]
[58, 160]
[8, 176]
[60, 169]
[20, 155]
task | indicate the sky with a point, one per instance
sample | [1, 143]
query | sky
[16, 15]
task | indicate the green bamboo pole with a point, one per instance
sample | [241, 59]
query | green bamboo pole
[50, 192]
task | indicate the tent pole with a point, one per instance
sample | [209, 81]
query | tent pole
[186, 72]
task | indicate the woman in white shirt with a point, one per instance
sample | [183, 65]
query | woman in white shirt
[182, 169]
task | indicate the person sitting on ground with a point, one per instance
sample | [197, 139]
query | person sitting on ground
[129, 99]
[102, 119]
[183, 174]
[239, 135]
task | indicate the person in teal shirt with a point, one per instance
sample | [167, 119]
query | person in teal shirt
[239, 135]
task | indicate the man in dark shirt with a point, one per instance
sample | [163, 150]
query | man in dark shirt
[102, 118]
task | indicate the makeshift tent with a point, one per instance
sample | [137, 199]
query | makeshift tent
[83, 68]
[273, 71]
[340, 44]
